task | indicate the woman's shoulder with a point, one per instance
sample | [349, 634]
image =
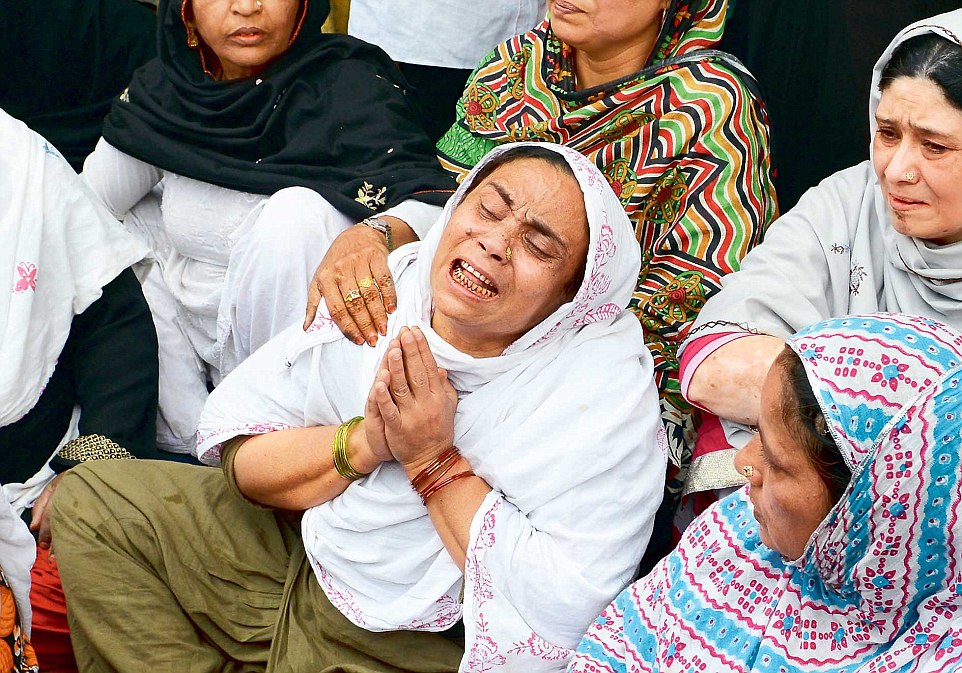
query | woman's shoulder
[840, 196]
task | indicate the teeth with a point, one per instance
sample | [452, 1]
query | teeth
[470, 284]
[474, 272]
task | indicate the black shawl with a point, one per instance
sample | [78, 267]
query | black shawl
[63, 63]
[330, 114]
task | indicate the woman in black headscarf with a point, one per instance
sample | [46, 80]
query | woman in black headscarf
[246, 98]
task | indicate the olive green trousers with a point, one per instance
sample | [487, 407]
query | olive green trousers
[165, 569]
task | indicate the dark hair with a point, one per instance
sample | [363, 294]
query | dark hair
[803, 416]
[550, 157]
[932, 57]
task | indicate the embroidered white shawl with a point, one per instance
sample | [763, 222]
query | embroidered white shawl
[564, 426]
[57, 251]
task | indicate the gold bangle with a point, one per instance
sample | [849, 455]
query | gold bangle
[339, 450]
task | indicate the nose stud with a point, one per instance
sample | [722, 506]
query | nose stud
[259, 4]
[748, 471]
[910, 176]
[507, 253]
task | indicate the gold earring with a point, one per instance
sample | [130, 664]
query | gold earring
[192, 40]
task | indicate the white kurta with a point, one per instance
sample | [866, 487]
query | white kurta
[445, 33]
[231, 269]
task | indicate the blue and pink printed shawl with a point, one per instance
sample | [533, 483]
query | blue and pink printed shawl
[879, 585]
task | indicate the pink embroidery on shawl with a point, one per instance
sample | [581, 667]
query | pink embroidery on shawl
[321, 321]
[448, 612]
[28, 277]
[236, 431]
[345, 603]
[596, 286]
[483, 655]
[539, 648]
[602, 313]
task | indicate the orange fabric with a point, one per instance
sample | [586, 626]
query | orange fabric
[50, 636]
[16, 654]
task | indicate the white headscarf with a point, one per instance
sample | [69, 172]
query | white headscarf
[564, 426]
[58, 248]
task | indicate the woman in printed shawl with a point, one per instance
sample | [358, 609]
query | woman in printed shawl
[842, 554]
[546, 389]
[677, 128]
[884, 235]
[247, 98]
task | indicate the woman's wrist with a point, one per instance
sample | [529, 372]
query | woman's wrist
[401, 231]
[361, 455]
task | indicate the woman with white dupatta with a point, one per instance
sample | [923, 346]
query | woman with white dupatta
[510, 342]
[76, 341]
[884, 235]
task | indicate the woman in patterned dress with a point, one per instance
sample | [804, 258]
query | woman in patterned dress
[842, 554]
[677, 128]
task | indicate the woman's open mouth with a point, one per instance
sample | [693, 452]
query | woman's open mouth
[472, 280]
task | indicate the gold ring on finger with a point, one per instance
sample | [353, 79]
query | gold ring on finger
[351, 296]
[367, 282]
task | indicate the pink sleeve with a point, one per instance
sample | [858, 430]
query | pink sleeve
[698, 351]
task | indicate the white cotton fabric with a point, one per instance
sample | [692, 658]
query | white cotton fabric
[231, 270]
[445, 33]
[564, 426]
[58, 248]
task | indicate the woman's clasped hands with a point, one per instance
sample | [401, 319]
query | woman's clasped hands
[409, 414]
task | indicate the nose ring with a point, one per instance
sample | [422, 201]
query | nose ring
[507, 253]
[748, 471]
[910, 176]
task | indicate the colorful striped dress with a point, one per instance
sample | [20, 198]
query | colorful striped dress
[684, 144]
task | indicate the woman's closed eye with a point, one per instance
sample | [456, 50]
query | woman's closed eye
[766, 460]
[486, 213]
[539, 245]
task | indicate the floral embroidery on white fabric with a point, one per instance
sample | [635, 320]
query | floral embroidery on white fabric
[236, 431]
[448, 612]
[597, 285]
[857, 275]
[483, 655]
[538, 647]
[28, 277]
[321, 321]
[343, 601]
